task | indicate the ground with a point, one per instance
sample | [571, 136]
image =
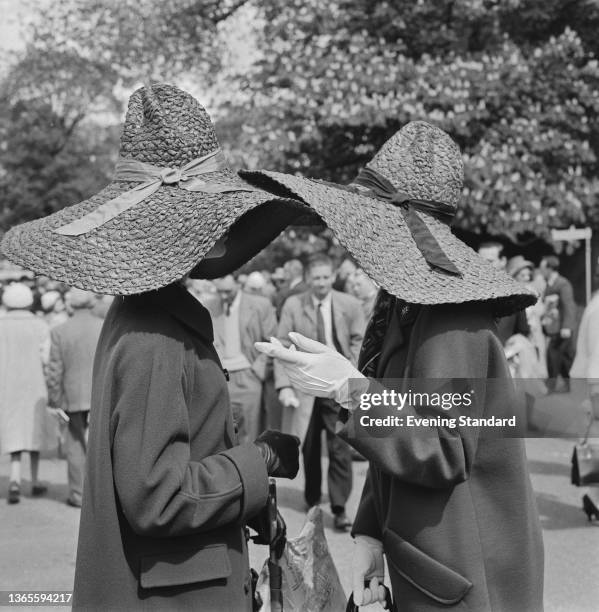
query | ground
[38, 536]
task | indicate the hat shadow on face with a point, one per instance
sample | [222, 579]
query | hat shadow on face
[252, 232]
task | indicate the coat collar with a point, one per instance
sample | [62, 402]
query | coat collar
[179, 303]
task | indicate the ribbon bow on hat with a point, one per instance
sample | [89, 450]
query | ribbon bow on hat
[151, 178]
[431, 250]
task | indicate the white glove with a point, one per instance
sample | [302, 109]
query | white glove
[317, 369]
[288, 398]
[368, 564]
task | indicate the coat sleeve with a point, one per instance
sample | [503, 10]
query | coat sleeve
[455, 349]
[55, 372]
[566, 296]
[162, 491]
[367, 520]
[356, 331]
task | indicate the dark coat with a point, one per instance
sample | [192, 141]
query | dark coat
[562, 289]
[167, 489]
[515, 323]
[70, 366]
[455, 510]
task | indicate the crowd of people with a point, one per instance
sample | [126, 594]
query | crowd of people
[322, 300]
[540, 340]
[48, 336]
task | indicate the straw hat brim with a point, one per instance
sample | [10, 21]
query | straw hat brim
[376, 235]
[148, 246]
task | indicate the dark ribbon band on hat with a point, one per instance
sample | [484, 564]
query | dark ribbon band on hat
[150, 179]
[427, 244]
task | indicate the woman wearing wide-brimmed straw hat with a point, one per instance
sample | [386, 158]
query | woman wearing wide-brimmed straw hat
[452, 509]
[168, 490]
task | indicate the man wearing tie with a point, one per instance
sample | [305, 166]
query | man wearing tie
[335, 319]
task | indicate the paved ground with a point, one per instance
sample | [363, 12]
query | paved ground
[38, 536]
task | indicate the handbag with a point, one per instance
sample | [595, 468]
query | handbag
[585, 461]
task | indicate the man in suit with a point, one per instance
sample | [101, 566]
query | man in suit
[335, 319]
[559, 322]
[69, 380]
[245, 318]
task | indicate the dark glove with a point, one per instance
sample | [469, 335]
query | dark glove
[280, 452]
[261, 525]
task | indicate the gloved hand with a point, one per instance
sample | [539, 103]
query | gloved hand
[368, 565]
[288, 398]
[317, 369]
[261, 525]
[280, 452]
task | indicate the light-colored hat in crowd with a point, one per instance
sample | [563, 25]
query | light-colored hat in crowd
[255, 281]
[394, 219]
[172, 198]
[17, 296]
[48, 300]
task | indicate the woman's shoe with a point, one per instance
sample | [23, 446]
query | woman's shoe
[38, 490]
[14, 493]
[589, 508]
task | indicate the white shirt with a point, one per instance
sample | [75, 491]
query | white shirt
[327, 316]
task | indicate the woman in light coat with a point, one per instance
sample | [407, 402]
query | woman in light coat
[22, 386]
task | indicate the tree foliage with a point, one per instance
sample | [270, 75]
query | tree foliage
[64, 92]
[514, 82]
[45, 166]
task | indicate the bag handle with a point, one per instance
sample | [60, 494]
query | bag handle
[351, 606]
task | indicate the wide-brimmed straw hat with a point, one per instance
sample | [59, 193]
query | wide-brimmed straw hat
[395, 219]
[173, 196]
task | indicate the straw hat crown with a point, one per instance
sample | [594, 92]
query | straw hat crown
[166, 127]
[422, 161]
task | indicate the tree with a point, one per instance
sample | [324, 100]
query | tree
[45, 166]
[517, 91]
[62, 97]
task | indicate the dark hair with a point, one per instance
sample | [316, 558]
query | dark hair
[319, 259]
[551, 261]
[490, 244]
